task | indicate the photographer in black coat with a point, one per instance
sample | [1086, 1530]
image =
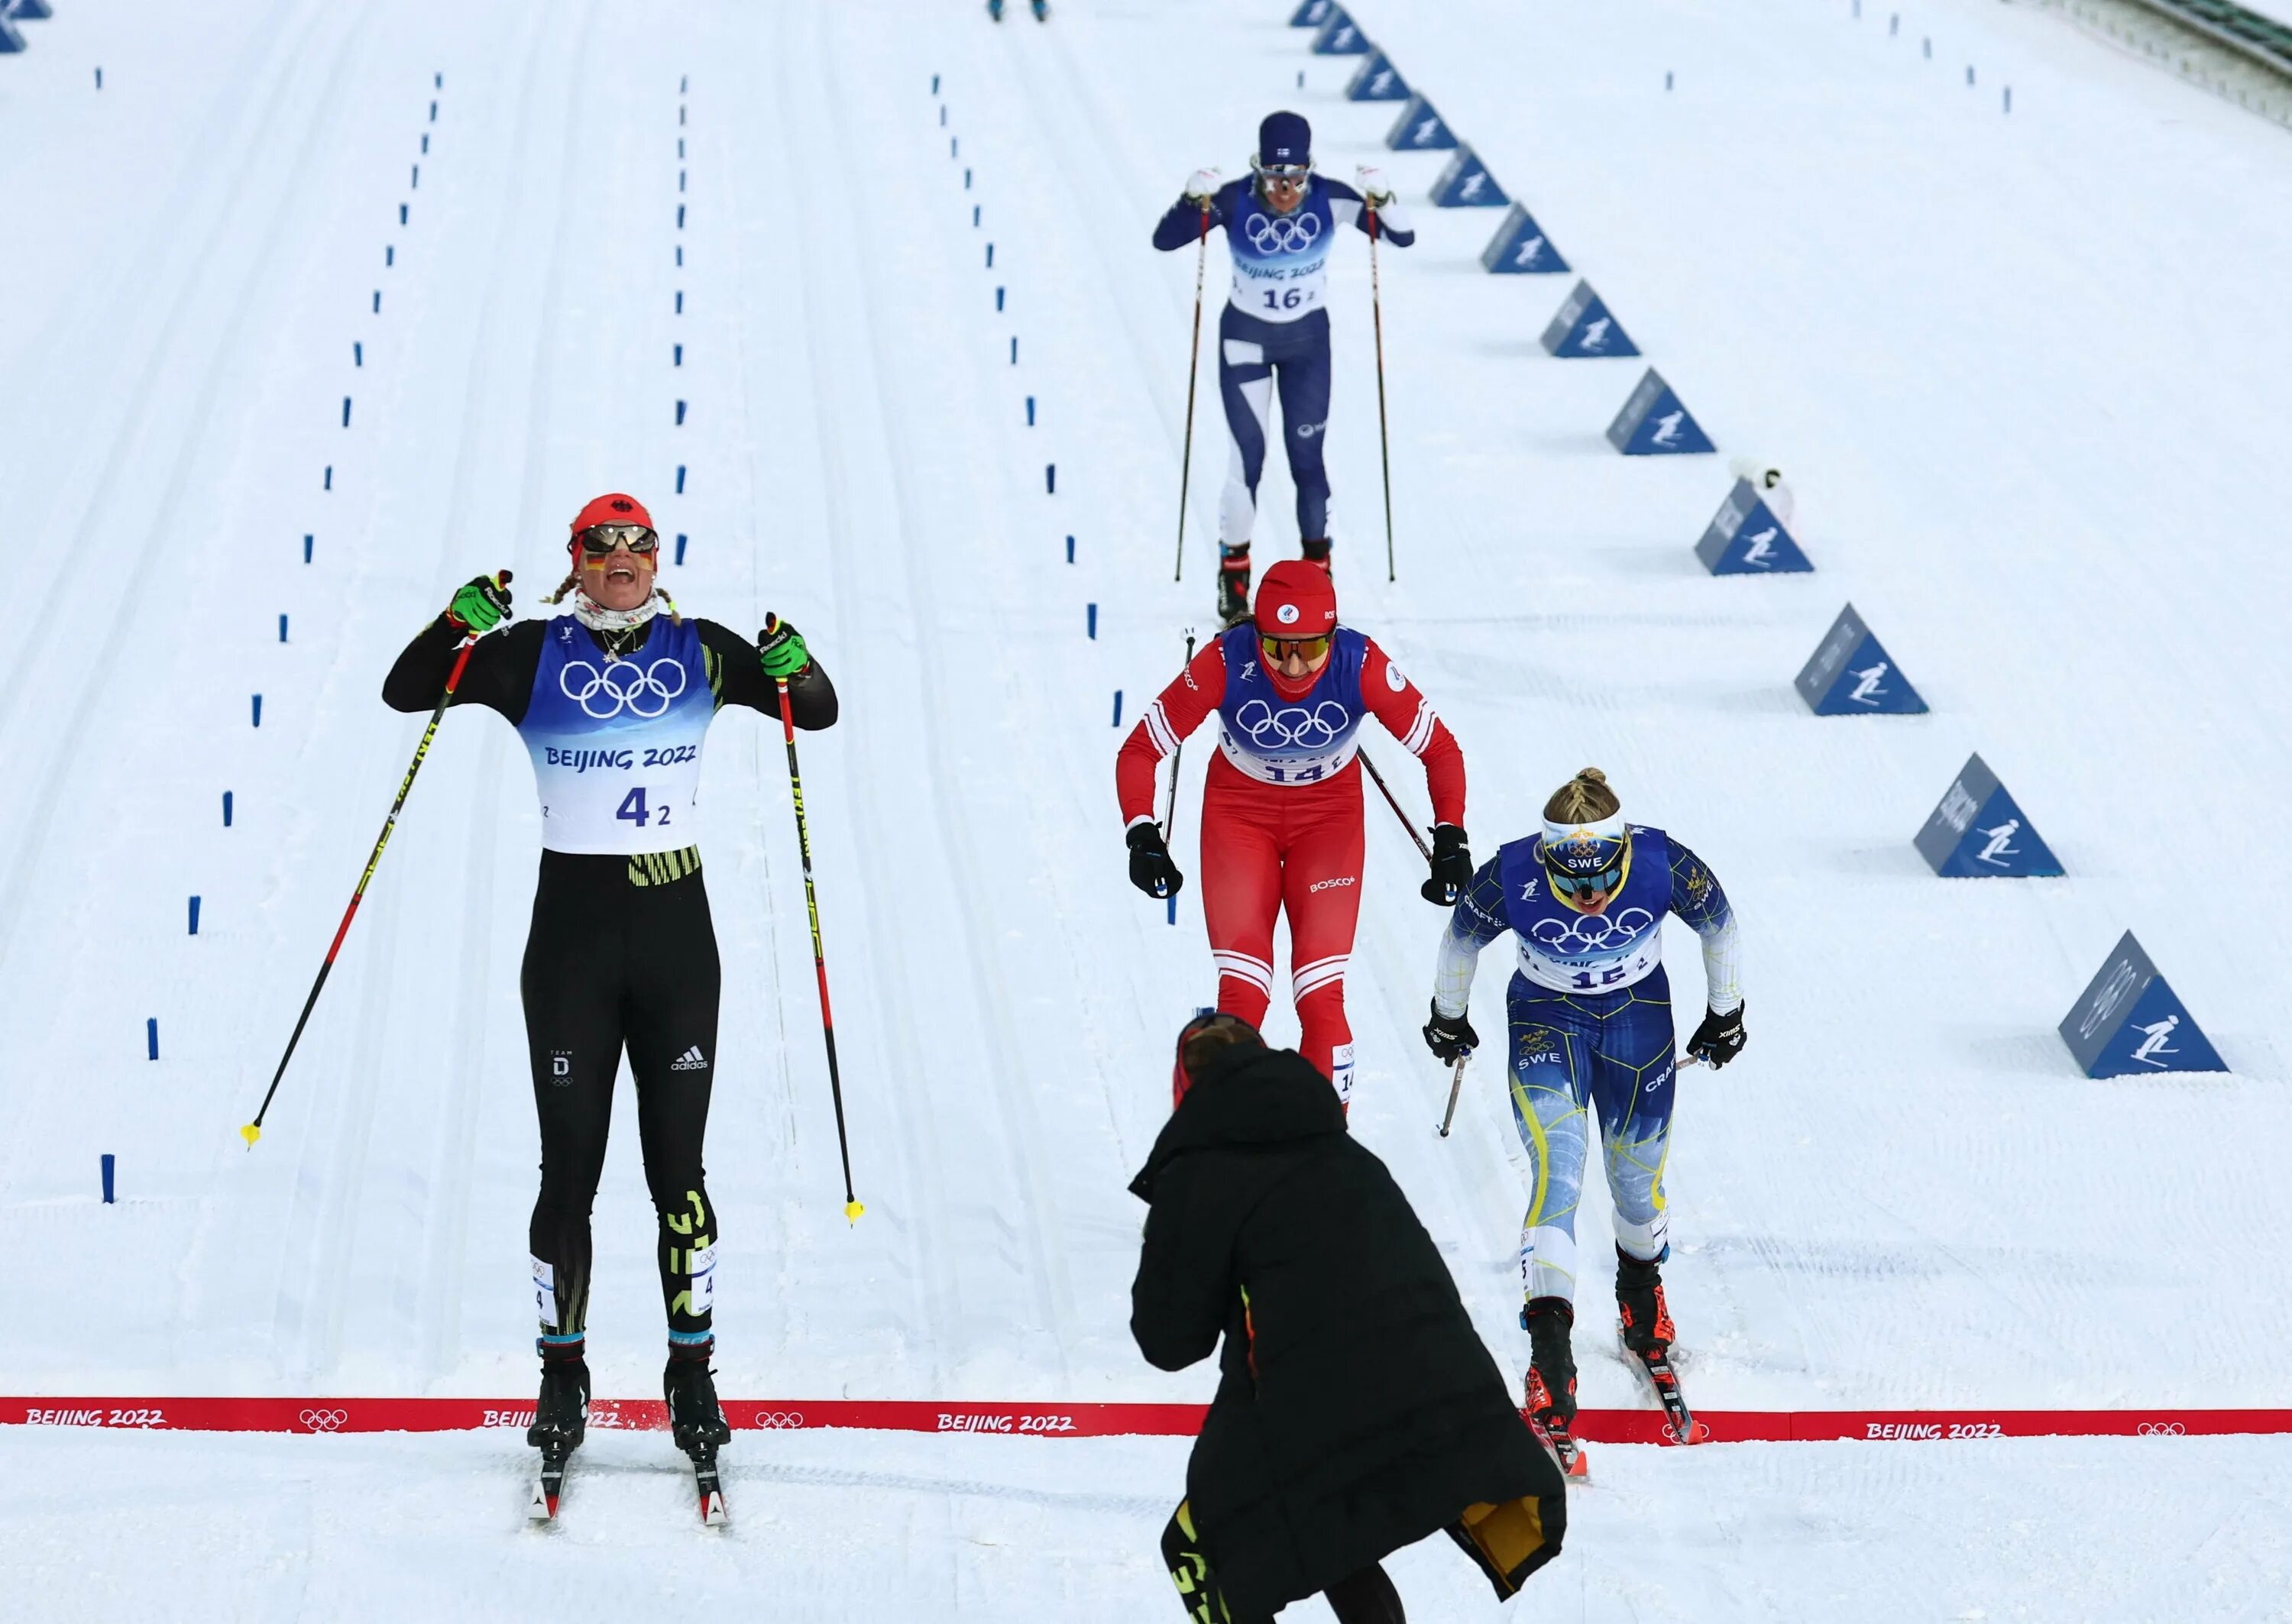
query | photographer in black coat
[1357, 1410]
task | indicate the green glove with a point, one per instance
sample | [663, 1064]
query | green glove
[482, 605]
[780, 647]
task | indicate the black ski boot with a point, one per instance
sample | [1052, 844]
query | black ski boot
[1315, 550]
[1552, 1377]
[696, 1420]
[1233, 585]
[1643, 1325]
[561, 1418]
[1642, 1320]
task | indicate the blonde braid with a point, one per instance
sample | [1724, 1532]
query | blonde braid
[1585, 798]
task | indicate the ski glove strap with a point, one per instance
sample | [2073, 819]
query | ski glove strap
[1719, 1039]
[481, 605]
[780, 647]
[1452, 867]
[1151, 871]
[1450, 1037]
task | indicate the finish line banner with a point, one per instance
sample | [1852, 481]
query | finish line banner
[349, 1415]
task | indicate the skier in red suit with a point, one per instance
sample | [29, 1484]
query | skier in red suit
[1281, 813]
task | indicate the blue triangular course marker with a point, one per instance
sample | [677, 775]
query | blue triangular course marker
[1312, 13]
[1420, 129]
[1341, 35]
[1653, 423]
[1851, 675]
[1747, 539]
[29, 10]
[2127, 1022]
[1584, 328]
[10, 42]
[1376, 79]
[1520, 248]
[1467, 184]
[1978, 832]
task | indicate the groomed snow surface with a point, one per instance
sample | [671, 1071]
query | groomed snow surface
[2026, 371]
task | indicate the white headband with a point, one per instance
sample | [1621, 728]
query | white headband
[1610, 828]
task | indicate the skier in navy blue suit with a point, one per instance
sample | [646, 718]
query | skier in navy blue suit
[1280, 224]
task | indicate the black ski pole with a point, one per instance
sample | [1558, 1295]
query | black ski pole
[1455, 1086]
[1378, 778]
[1177, 756]
[851, 1207]
[1384, 443]
[1193, 371]
[253, 1130]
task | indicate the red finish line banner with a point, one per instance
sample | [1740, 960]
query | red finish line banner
[347, 1415]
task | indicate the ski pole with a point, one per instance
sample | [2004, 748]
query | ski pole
[1455, 1086]
[1193, 371]
[253, 1130]
[851, 1207]
[1378, 778]
[1384, 443]
[1177, 756]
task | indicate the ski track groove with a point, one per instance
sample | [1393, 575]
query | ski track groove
[922, 1227]
[136, 577]
[1048, 1278]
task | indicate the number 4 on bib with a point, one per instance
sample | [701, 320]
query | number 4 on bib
[632, 807]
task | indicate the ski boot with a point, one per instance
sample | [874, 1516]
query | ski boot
[696, 1420]
[561, 1418]
[1552, 1378]
[1643, 1325]
[1315, 550]
[1233, 585]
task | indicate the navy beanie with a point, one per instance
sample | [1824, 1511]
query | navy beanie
[1284, 138]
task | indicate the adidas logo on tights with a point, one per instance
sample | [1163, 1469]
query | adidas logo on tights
[691, 1060]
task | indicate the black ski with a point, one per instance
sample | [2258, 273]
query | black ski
[548, 1483]
[714, 1513]
[1664, 1381]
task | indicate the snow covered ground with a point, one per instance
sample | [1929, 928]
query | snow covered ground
[2025, 371]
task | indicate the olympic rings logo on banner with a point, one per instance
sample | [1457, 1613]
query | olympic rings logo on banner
[2161, 1429]
[324, 1420]
[779, 1420]
[640, 690]
[1591, 932]
[1284, 233]
[1293, 727]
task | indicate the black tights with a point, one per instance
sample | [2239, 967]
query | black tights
[1365, 1597]
[613, 963]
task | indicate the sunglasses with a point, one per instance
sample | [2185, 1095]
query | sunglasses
[598, 540]
[1279, 650]
[1283, 175]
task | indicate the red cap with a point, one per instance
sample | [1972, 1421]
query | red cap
[1296, 599]
[612, 509]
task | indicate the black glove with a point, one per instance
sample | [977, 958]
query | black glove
[1150, 868]
[1720, 1038]
[1450, 1037]
[1452, 867]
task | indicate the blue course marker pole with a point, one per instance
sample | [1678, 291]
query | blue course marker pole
[975, 217]
[282, 628]
[998, 299]
[195, 916]
[1031, 411]
[401, 213]
[388, 255]
[309, 541]
[1174, 901]
[1069, 549]
[966, 180]
[680, 414]
[679, 351]
[377, 301]
[414, 185]
[1090, 621]
[99, 79]
[679, 301]
[1117, 713]
[679, 478]
[226, 808]
[1014, 349]
[346, 411]
[108, 1166]
[329, 484]
[680, 546]
[935, 84]
[258, 710]
[991, 256]
[357, 353]
[680, 218]
[151, 1036]
[1050, 478]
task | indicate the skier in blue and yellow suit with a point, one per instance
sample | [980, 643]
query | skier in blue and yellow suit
[1590, 1009]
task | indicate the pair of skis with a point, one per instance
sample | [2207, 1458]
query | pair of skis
[1679, 1421]
[549, 1485]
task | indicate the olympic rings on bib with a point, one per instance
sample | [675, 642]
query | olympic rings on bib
[1591, 932]
[1292, 726]
[1282, 233]
[646, 691]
